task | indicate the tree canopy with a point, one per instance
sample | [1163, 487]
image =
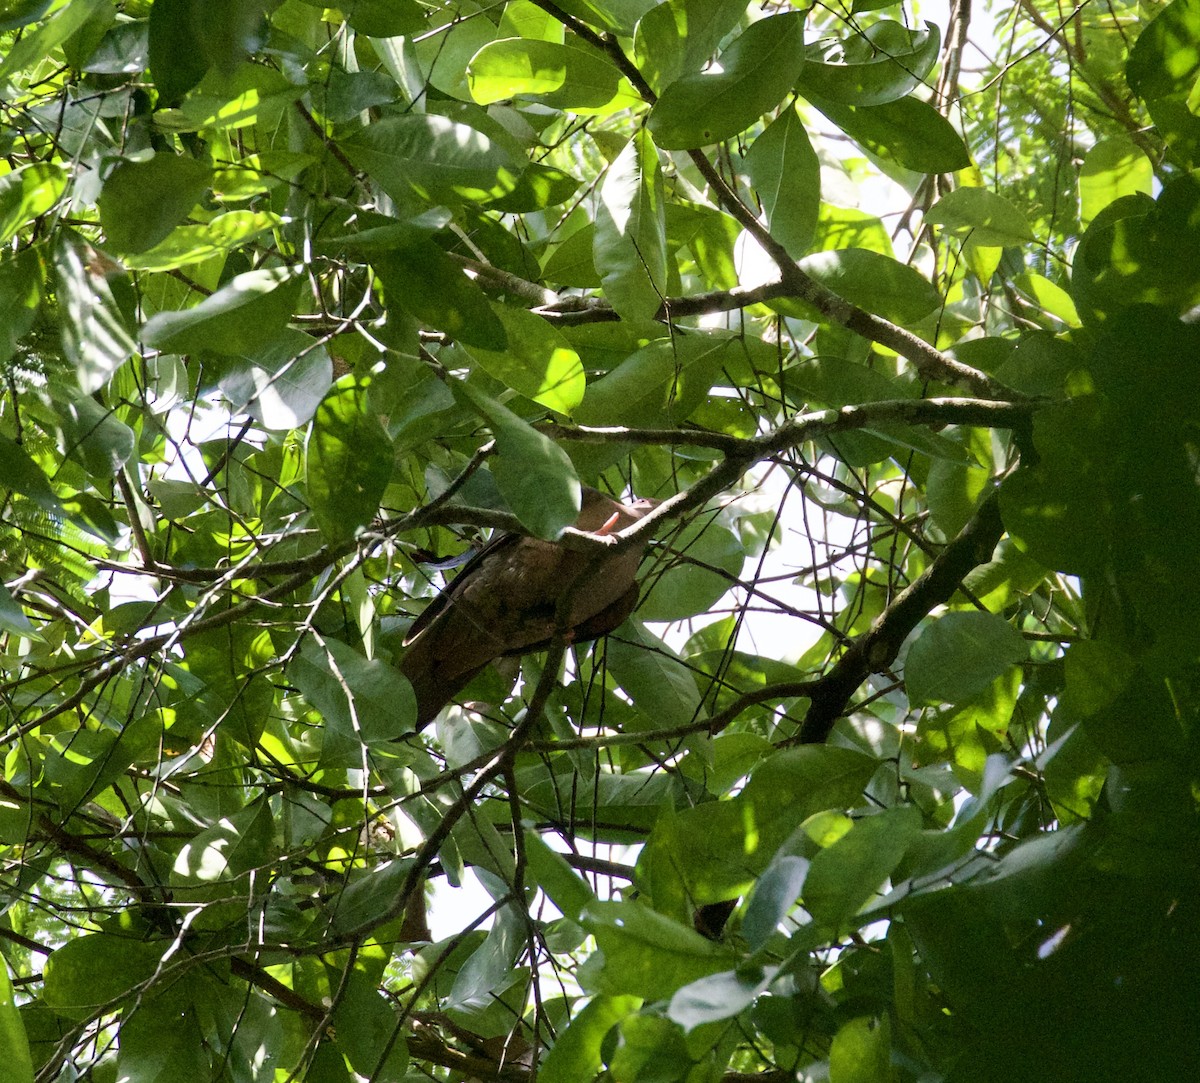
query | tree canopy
[893, 772]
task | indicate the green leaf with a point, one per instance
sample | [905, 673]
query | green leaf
[282, 383]
[988, 219]
[143, 201]
[432, 157]
[784, 170]
[880, 64]
[242, 316]
[630, 239]
[97, 969]
[660, 384]
[21, 474]
[959, 655]
[14, 1044]
[575, 1054]
[718, 996]
[561, 884]
[350, 460]
[775, 894]
[907, 131]
[177, 60]
[94, 335]
[424, 281]
[38, 44]
[13, 619]
[161, 1040]
[875, 282]
[229, 849]
[678, 37]
[534, 474]
[364, 1025]
[646, 954]
[27, 193]
[539, 362]
[656, 678]
[383, 18]
[845, 874]
[91, 434]
[1113, 168]
[187, 245]
[694, 582]
[1138, 252]
[566, 77]
[756, 72]
[20, 295]
[861, 1051]
[363, 701]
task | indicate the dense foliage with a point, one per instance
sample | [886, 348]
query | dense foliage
[894, 772]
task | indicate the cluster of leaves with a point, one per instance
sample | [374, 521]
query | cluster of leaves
[294, 300]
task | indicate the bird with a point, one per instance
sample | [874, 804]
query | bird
[516, 595]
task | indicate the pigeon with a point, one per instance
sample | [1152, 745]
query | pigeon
[516, 595]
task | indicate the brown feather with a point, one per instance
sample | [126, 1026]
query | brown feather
[506, 601]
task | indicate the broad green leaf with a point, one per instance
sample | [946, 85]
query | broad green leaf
[576, 1054]
[383, 18]
[539, 362]
[282, 383]
[489, 970]
[646, 954]
[226, 101]
[231, 848]
[364, 1026]
[94, 336]
[99, 968]
[91, 435]
[1113, 168]
[241, 317]
[562, 885]
[718, 996]
[861, 1051]
[37, 44]
[1138, 252]
[558, 76]
[534, 474]
[1164, 63]
[424, 281]
[619, 16]
[706, 559]
[187, 245]
[26, 193]
[1050, 297]
[143, 201]
[784, 170]
[350, 461]
[988, 219]
[879, 64]
[362, 701]
[656, 678]
[20, 295]
[755, 74]
[875, 282]
[538, 187]
[571, 263]
[177, 59]
[678, 37]
[661, 384]
[775, 893]
[845, 874]
[14, 1044]
[907, 131]
[21, 474]
[959, 655]
[449, 40]
[161, 1039]
[13, 619]
[629, 247]
[432, 157]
